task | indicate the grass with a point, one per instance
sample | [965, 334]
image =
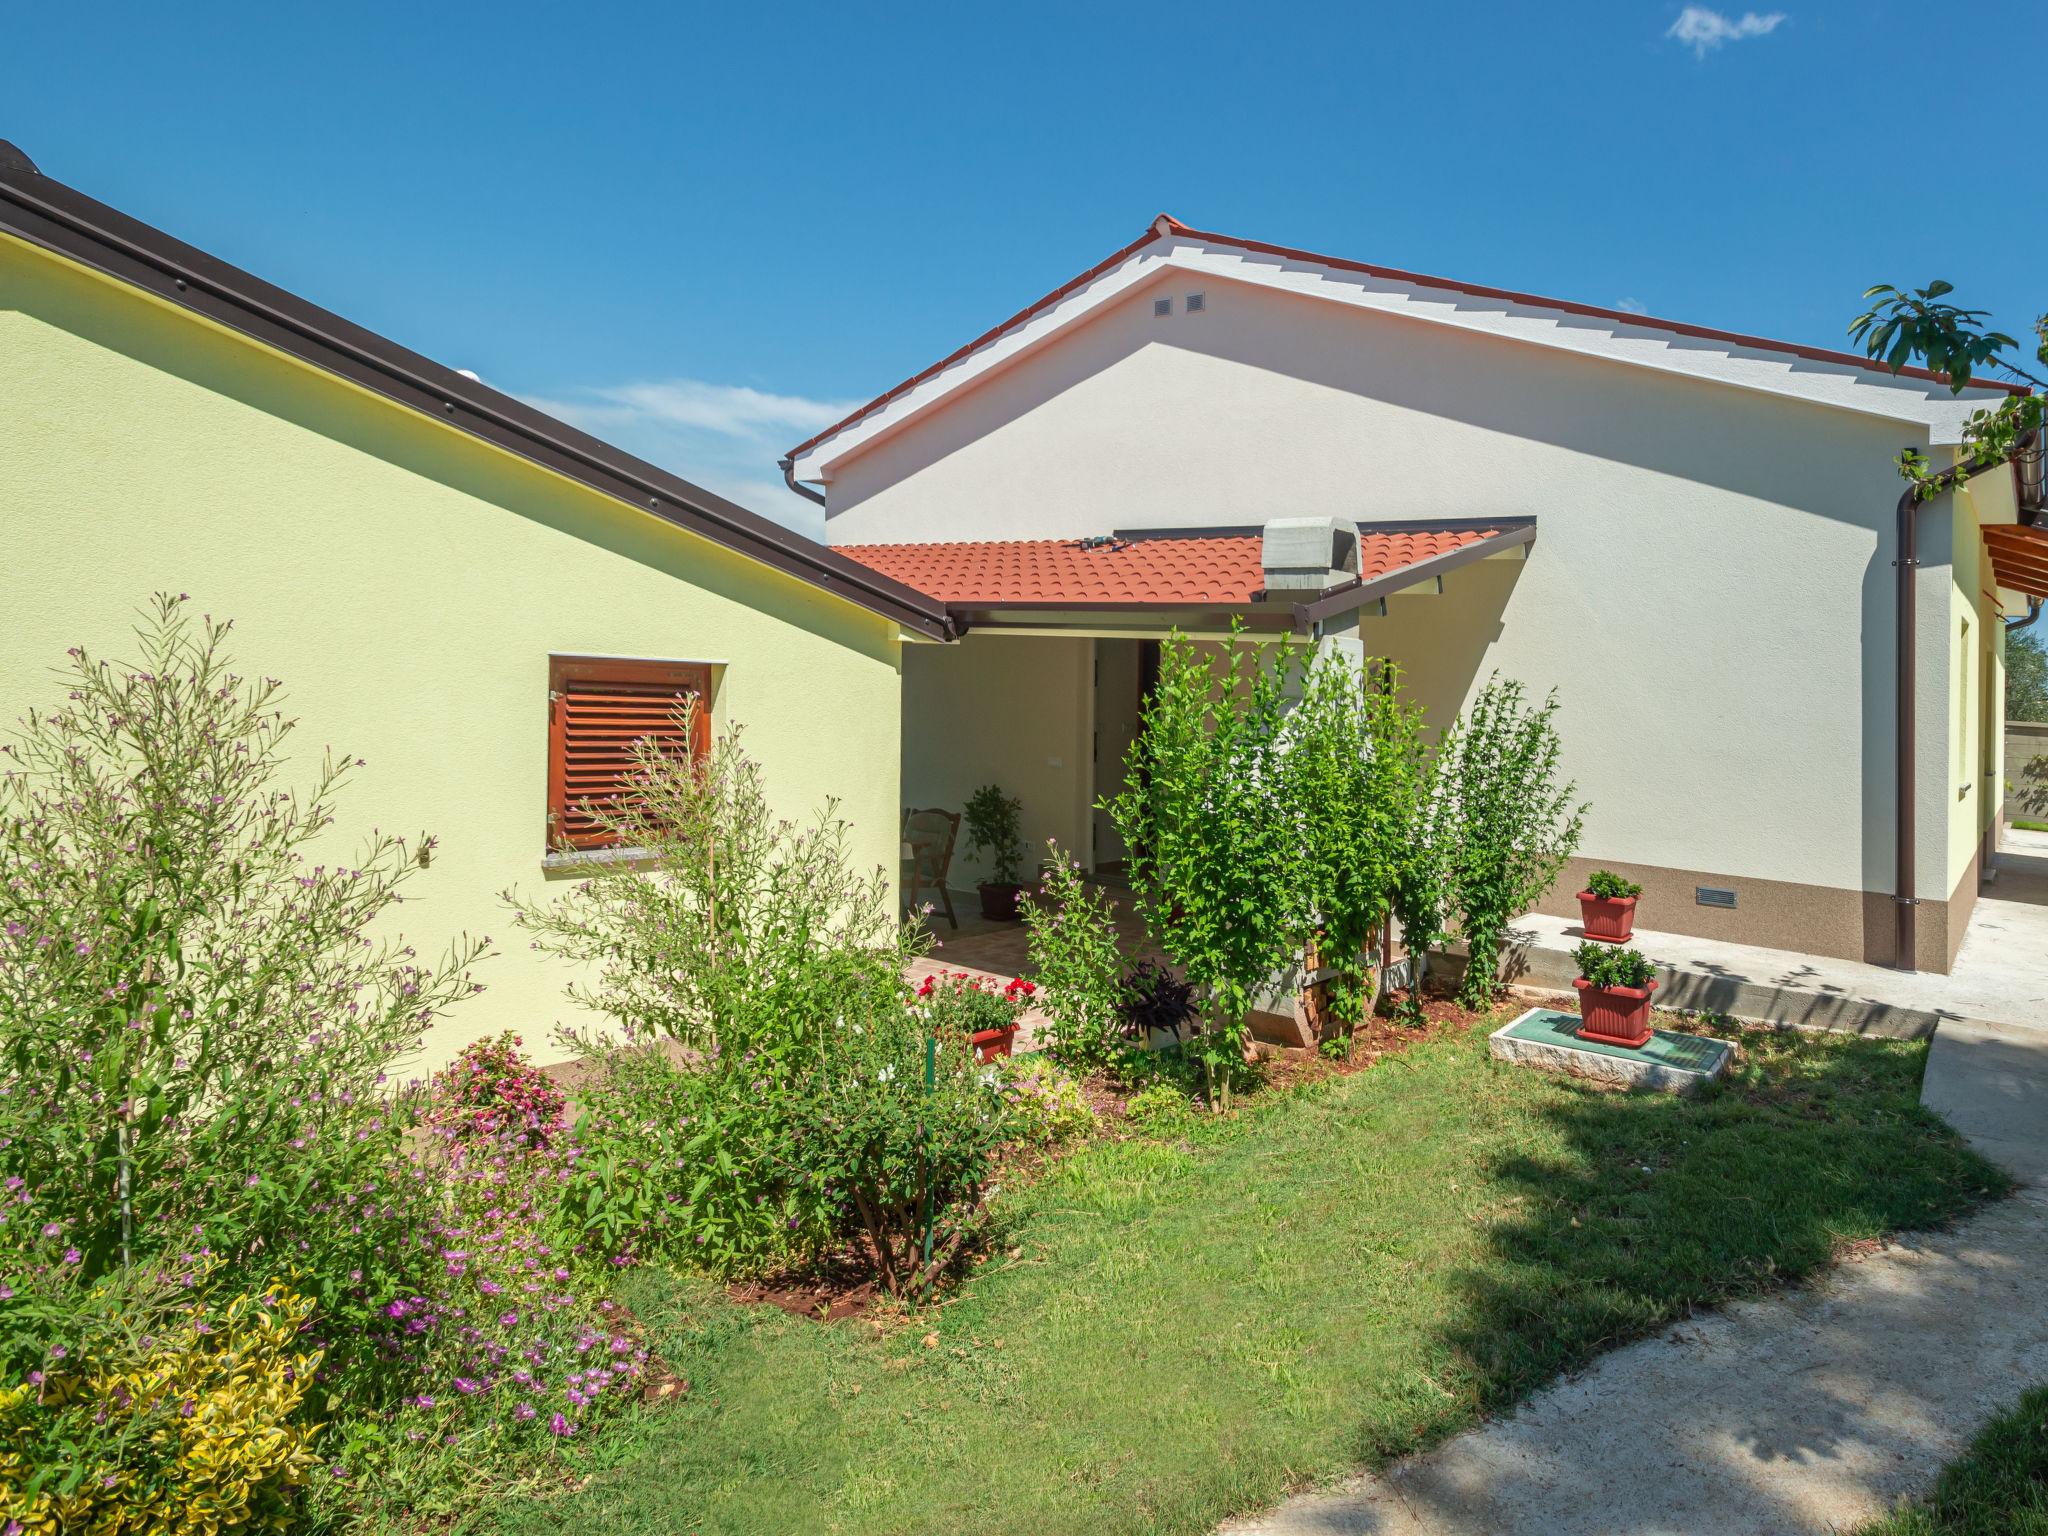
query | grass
[1998, 1488]
[2026, 825]
[1175, 1331]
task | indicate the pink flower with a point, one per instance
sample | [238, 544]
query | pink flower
[560, 1426]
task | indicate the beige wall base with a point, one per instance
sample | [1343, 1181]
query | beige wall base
[1778, 914]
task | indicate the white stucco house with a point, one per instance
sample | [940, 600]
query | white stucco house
[1692, 535]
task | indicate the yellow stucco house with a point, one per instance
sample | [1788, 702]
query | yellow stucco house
[432, 567]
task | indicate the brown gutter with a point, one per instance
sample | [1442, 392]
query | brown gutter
[60, 219]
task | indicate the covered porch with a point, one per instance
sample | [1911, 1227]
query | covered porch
[1043, 693]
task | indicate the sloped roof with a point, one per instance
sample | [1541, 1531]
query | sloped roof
[58, 218]
[1139, 571]
[1822, 374]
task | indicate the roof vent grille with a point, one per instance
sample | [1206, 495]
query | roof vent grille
[1196, 303]
[1161, 308]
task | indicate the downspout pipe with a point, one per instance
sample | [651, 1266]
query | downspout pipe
[1905, 901]
[789, 479]
[2033, 612]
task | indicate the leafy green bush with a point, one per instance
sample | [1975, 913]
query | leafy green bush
[1353, 777]
[1074, 955]
[1158, 1106]
[994, 822]
[1516, 825]
[1609, 886]
[1047, 1107]
[1605, 966]
[767, 1094]
[896, 1131]
[1214, 849]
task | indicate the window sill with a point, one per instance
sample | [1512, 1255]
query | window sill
[589, 860]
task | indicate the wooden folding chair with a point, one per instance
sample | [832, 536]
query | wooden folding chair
[928, 856]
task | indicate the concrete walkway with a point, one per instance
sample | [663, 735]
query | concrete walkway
[1810, 1412]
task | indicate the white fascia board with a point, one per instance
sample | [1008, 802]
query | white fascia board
[1843, 385]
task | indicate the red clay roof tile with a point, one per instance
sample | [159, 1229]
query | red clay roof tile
[1170, 572]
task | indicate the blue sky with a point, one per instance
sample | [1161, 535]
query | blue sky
[705, 231]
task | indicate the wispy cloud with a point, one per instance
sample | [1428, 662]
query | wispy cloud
[725, 437]
[1703, 30]
[1632, 306]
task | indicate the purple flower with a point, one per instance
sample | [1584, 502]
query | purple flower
[560, 1426]
[525, 1411]
[71, 1256]
[466, 1387]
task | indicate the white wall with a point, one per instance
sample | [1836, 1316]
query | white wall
[1711, 589]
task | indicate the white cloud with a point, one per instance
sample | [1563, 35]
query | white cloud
[724, 437]
[1632, 306]
[1703, 30]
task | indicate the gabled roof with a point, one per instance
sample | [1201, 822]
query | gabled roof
[1146, 570]
[57, 218]
[1826, 376]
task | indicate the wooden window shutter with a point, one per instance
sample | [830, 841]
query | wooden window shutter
[597, 709]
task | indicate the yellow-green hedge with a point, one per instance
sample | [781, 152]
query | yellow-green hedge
[192, 1435]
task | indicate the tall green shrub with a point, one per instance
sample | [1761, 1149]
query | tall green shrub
[1214, 854]
[1353, 777]
[1516, 823]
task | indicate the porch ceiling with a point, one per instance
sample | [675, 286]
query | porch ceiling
[2019, 558]
[1154, 576]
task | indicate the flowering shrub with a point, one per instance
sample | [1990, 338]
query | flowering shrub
[195, 1018]
[492, 1093]
[162, 1419]
[964, 1003]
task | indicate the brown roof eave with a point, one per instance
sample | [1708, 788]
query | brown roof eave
[60, 219]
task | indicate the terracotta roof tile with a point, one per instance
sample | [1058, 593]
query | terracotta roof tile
[1198, 570]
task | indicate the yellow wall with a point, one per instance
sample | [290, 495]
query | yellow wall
[406, 582]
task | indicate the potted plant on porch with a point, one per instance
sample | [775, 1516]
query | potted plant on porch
[1614, 988]
[1607, 907]
[993, 822]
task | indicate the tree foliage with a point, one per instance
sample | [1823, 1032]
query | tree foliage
[2026, 676]
[1214, 856]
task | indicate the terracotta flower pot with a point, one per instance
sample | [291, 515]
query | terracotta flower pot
[991, 1043]
[1610, 919]
[999, 900]
[1615, 1015]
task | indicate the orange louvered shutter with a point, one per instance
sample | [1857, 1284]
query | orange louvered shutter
[597, 709]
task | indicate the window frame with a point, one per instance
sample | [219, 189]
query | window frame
[684, 676]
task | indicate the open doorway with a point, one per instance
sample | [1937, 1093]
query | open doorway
[1124, 673]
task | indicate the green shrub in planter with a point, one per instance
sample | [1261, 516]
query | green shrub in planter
[994, 823]
[1609, 886]
[1603, 965]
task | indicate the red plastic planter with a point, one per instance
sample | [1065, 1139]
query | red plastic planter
[1610, 919]
[1615, 1015]
[991, 1043]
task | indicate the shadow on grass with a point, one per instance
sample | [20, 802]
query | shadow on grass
[1639, 1210]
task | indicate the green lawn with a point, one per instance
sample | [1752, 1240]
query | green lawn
[1998, 1488]
[1339, 1275]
